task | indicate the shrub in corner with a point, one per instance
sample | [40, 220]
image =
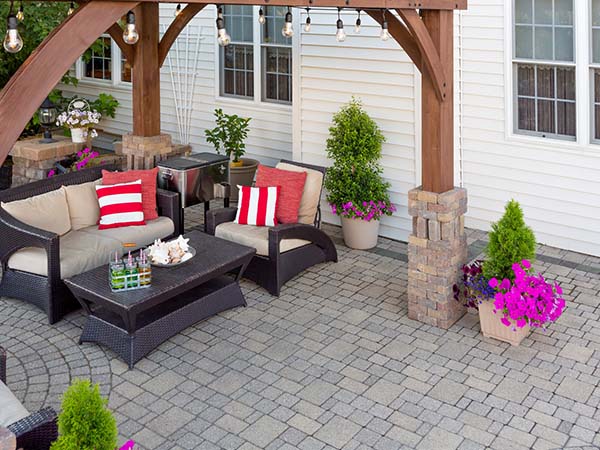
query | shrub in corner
[85, 422]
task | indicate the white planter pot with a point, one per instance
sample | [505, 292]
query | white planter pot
[78, 135]
[360, 234]
[492, 327]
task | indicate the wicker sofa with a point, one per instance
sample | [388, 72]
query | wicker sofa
[285, 250]
[33, 431]
[35, 261]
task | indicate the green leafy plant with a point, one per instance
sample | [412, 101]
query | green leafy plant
[511, 241]
[85, 423]
[229, 135]
[354, 183]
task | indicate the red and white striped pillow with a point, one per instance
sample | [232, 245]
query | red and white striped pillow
[120, 205]
[257, 205]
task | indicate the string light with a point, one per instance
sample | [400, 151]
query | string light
[288, 30]
[308, 21]
[385, 34]
[178, 9]
[358, 25]
[340, 35]
[222, 37]
[261, 16]
[12, 40]
[71, 9]
[130, 35]
[20, 13]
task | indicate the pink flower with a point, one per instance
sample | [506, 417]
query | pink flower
[505, 321]
[51, 173]
[493, 283]
[526, 264]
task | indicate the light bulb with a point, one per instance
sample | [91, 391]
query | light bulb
[385, 34]
[307, 25]
[12, 41]
[178, 9]
[71, 9]
[20, 13]
[340, 35]
[130, 35]
[222, 37]
[261, 16]
[358, 26]
[288, 30]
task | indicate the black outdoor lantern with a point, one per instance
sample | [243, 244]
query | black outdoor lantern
[47, 116]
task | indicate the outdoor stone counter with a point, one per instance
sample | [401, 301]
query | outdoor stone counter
[32, 160]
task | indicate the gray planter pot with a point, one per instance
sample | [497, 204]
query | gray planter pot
[360, 234]
[242, 176]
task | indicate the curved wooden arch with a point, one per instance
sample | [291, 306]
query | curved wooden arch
[429, 53]
[401, 35]
[176, 27]
[37, 76]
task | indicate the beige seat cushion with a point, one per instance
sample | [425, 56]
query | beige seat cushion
[84, 209]
[312, 192]
[257, 237]
[140, 236]
[79, 252]
[48, 211]
[11, 409]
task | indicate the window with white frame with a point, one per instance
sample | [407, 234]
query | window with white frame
[104, 62]
[595, 68]
[544, 68]
[98, 61]
[262, 55]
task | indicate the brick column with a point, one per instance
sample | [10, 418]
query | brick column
[8, 440]
[146, 152]
[437, 249]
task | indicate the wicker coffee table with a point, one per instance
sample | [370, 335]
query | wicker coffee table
[133, 323]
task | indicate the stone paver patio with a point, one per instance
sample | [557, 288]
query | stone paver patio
[336, 363]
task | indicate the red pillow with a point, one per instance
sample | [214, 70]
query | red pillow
[148, 178]
[292, 188]
[257, 206]
[120, 205]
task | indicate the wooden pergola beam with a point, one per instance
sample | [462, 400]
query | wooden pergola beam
[362, 4]
[180, 22]
[116, 33]
[401, 35]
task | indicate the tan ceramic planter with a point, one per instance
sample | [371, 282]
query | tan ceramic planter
[360, 234]
[242, 176]
[493, 328]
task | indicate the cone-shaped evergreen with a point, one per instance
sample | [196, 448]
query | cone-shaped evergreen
[85, 423]
[511, 241]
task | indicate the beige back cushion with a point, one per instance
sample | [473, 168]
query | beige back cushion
[47, 211]
[312, 192]
[84, 209]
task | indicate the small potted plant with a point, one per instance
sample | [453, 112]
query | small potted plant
[80, 123]
[83, 159]
[509, 298]
[228, 138]
[85, 422]
[356, 190]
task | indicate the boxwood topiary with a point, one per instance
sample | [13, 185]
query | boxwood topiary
[511, 241]
[85, 423]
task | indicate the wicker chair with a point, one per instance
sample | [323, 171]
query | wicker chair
[50, 293]
[38, 430]
[274, 269]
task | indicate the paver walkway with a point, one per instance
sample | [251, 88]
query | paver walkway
[336, 363]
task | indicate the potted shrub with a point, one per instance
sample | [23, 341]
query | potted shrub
[228, 138]
[80, 123]
[356, 190]
[509, 297]
[85, 422]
